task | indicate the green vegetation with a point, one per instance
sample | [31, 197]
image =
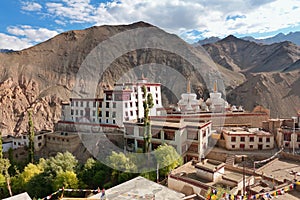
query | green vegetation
[147, 105]
[167, 158]
[46, 176]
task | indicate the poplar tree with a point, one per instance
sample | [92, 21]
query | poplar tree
[147, 105]
[31, 138]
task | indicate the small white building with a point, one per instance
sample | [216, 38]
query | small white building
[23, 141]
[190, 139]
[239, 138]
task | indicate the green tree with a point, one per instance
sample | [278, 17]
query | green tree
[31, 138]
[4, 166]
[123, 167]
[20, 181]
[147, 105]
[62, 162]
[167, 158]
[67, 179]
[94, 174]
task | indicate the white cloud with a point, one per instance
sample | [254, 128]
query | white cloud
[31, 6]
[13, 42]
[21, 37]
[210, 17]
[34, 35]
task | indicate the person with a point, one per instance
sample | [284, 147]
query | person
[103, 194]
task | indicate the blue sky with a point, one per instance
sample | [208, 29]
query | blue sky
[24, 23]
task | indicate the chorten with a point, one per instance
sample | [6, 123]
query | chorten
[188, 101]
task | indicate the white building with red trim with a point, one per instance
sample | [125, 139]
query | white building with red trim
[121, 104]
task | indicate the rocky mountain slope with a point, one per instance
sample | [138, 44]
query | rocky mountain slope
[293, 37]
[41, 77]
[272, 73]
[244, 56]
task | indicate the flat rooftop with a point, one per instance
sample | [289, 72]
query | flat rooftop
[244, 131]
[281, 169]
[140, 188]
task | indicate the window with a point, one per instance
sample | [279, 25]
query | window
[251, 139]
[242, 139]
[298, 138]
[76, 103]
[233, 139]
[156, 134]
[130, 104]
[107, 121]
[287, 137]
[81, 103]
[100, 104]
[267, 146]
[100, 113]
[260, 139]
[156, 95]
[169, 135]
[126, 105]
[72, 103]
[81, 112]
[114, 121]
[148, 89]
[72, 112]
[113, 114]
[87, 104]
[107, 104]
[39, 137]
[114, 105]
[126, 114]
[94, 104]
[131, 113]
[107, 114]
[233, 146]
[242, 146]
[156, 101]
[94, 113]
[76, 112]
[39, 144]
[251, 146]
[268, 140]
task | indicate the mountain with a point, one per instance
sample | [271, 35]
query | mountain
[6, 50]
[41, 77]
[272, 73]
[293, 37]
[244, 56]
[207, 41]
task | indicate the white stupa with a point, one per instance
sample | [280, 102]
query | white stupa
[216, 103]
[188, 101]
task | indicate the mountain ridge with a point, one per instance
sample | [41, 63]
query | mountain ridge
[39, 78]
[293, 37]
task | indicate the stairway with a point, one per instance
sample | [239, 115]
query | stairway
[230, 159]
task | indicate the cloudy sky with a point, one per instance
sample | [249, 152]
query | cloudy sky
[24, 23]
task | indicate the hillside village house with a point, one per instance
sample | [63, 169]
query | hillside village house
[123, 103]
[189, 138]
[286, 132]
[243, 138]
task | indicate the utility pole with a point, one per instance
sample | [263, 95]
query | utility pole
[243, 159]
[294, 134]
